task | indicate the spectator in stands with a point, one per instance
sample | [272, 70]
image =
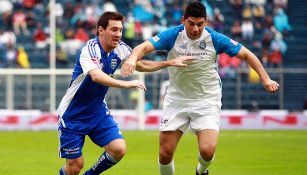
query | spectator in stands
[279, 44]
[31, 20]
[108, 5]
[6, 6]
[70, 44]
[7, 37]
[40, 37]
[237, 6]
[69, 10]
[209, 8]
[281, 3]
[61, 58]
[258, 13]
[281, 21]
[81, 35]
[227, 65]
[275, 58]
[247, 28]
[19, 21]
[176, 13]
[265, 57]
[247, 12]
[129, 32]
[23, 58]
[28, 4]
[236, 32]
[59, 12]
[11, 55]
[267, 38]
[218, 20]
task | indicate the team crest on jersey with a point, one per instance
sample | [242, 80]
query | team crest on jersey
[113, 63]
[202, 44]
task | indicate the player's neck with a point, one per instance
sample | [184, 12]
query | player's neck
[104, 46]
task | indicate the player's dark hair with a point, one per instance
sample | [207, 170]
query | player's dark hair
[103, 20]
[195, 9]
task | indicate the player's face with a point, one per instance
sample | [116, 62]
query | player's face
[111, 35]
[194, 26]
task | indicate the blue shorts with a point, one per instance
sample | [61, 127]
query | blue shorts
[100, 132]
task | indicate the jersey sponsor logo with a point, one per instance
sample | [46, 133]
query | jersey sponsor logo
[155, 38]
[192, 54]
[202, 44]
[71, 150]
[233, 42]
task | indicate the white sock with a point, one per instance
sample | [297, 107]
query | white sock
[168, 169]
[203, 165]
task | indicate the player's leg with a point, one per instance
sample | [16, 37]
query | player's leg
[168, 144]
[174, 122]
[207, 142]
[107, 135]
[72, 166]
[71, 145]
[113, 153]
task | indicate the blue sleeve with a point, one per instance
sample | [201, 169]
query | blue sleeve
[223, 43]
[166, 39]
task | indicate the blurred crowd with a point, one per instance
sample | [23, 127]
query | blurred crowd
[261, 25]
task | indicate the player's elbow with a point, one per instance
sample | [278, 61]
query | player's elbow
[95, 77]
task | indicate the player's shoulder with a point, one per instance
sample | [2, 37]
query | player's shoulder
[122, 50]
[90, 46]
[174, 30]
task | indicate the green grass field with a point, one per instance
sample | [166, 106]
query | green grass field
[238, 153]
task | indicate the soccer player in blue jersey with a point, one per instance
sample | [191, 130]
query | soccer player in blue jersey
[193, 98]
[83, 110]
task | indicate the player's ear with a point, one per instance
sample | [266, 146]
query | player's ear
[100, 30]
[182, 19]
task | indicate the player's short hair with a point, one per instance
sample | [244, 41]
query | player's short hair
[195, 9]
[103, 20]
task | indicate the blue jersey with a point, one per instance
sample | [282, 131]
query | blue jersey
[200, 80]
[84, 99]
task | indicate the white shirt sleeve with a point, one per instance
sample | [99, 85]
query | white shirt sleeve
[90, 58]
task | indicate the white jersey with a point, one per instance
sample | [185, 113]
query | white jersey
[200, 80]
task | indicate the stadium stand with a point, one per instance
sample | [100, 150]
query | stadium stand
[71, 15]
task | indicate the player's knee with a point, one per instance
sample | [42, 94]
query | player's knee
[166, 154]
[207, 151]
[118, 151]
[74, 167]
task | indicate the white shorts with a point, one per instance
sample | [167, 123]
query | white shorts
[180, 115]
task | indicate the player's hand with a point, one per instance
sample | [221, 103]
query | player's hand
[181, 61]
[270, 85]
[128, 67]
[136, 84]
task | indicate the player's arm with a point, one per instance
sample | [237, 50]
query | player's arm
[137, 54]
[102, 78]
[150, 66]
[253, 61]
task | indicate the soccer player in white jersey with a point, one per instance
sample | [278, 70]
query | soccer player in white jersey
[83, 110]
[193, 98]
